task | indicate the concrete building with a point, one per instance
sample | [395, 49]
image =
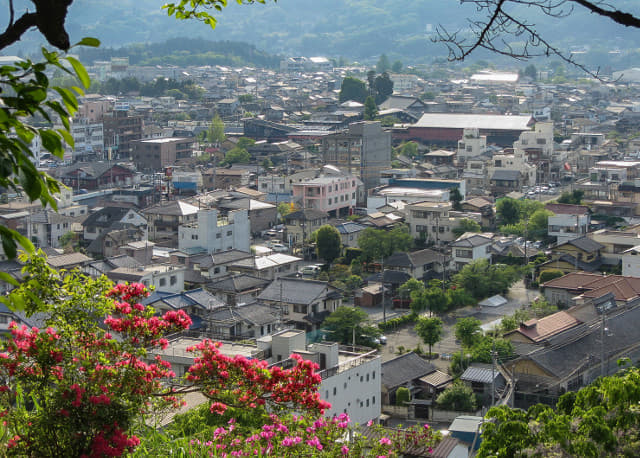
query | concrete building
[332, 191]
[214, 233]
[88, 139]
[431, 221]
[158, 153]
[472, 144]
[163, 277]
[363, 150]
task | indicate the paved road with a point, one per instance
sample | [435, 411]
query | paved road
[517, 297]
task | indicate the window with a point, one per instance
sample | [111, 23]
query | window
[218, 235]
[329, 201]
[373, 400]
[173, 280]
[4, 319]
[229, 232]
[335, 390]
[216, 270]
[373, 375]
[367, 403]
[469, 149]
[464, 253]
[541, 141]
[131, 215]
[163, 282]
[353, 195]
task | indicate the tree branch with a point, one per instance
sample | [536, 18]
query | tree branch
[620, 17]
[15, 30]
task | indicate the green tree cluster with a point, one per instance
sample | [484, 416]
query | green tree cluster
[482, 279]
[429, 330]
[370, 109]
[328, 243]
[466, 225]
[599, 420]
[377, 244]
[574, 197]
[458, 397]
[353, 89]
[348, 322]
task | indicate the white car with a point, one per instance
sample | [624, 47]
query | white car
[279, 247]
[309, 270]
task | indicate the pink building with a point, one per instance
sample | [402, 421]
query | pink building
[332, 191]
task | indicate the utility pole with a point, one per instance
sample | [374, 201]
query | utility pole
[494, 354]
[384, 295]
[602, 333]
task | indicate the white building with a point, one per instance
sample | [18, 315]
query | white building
[568, 222]
[214, 233]
[351, 380]
[631, 262]
[88, 139]
[471, 144]
[470, 247]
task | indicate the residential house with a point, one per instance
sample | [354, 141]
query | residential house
[110, 243]
[483, 206]
[568, 222]
[268, 267]
[199, 304]
[303, 303]
[94, 175]
[431, 221]
[237, 289]
[470, 247]
[371, 295]
[422, 264]
[208, 266]
[212, 232]
[576, 287]
[109, 218]
[616, 243]
[165, 218]
[46, 227]
[485, 381]
[302, 223]
[576, 357]
[538, 331]
[412, 372]
[262, 215]
[509, 172]
[581, 254]
[162, 277]
[225, 178]
[350, 233]
[245, 321]
[631, 262]
[68, 261]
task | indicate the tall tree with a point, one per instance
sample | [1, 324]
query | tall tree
[383, 64]
[467, 331]
[384, 87]
[508, 210]
[215, 133]
[396, 67]
[348, 322]
[328, 243]
[456, 198]
[429, 330]
[370, 109]
[353, 89]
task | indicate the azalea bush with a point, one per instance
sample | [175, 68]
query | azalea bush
[86, 384]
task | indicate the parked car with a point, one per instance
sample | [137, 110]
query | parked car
[279, 247]
[309, 270]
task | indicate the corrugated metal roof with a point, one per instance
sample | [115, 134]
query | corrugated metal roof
[480, 374]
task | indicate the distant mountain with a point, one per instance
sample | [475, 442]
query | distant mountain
[184, 52]
[355, 29]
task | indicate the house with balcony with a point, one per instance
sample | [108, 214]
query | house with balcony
[616, 243]
[431, 221]
[165, 218]
[568, 221]
[268, 267]
[422, 264]
[332, 191]
[302, 303]
[299, 225]
[107, 219]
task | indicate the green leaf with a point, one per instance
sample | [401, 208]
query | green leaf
[88, 41]
[81, 72]
[5, 277]
[51, 141]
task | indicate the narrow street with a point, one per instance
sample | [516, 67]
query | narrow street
[406, 337]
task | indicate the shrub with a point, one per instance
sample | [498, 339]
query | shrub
[402, 396]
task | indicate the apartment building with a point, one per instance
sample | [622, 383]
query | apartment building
[214, 232]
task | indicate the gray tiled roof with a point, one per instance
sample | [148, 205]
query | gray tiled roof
[405, 368]
[296, 291]
[480, 373]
